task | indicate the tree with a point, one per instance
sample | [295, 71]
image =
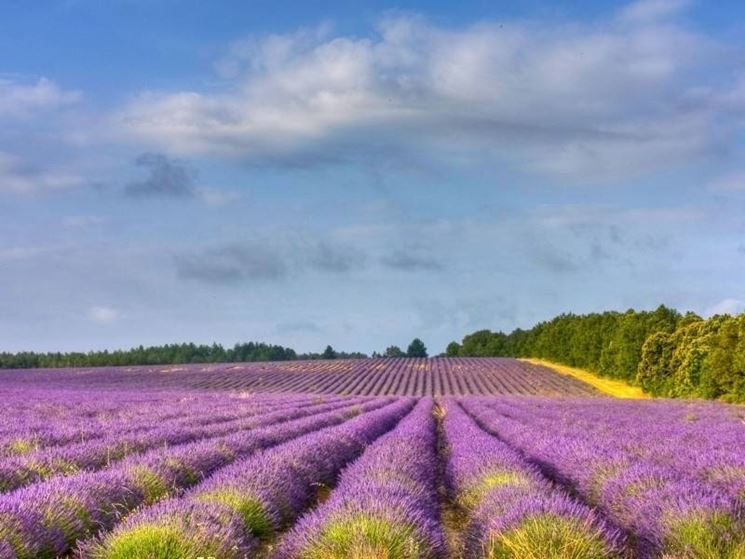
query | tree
[475, 345]
[329, 353]
[416, 349]
[653, 373]
[452, 349]
[394, 351]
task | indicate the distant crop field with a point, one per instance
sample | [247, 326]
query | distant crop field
[147, 471]
[364, 377]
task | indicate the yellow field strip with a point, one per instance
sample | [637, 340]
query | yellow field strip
[615, 388]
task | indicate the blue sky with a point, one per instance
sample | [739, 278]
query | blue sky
[360, 173]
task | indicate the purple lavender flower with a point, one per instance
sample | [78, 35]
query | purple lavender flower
[183, 529]
[641, 488]
[262, 493]
[514, 511]
[101, 452]
[385, 504]
[56, 513]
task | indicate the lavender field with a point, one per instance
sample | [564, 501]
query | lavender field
[383, 459]
[365, 377]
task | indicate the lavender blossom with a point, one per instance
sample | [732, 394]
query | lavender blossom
[385, 504]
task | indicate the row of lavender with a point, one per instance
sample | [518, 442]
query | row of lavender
[367, 377]
[410, 377]
[669, 475]
[47, 519]
[126, 438]
[528, 478]
[385, 504]
[385, 501]
[544, 479]
[512, 510]
[42, 418]
[250, 501]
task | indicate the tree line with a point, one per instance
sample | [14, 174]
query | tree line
[154, 355]
[171, 354]
[667, 353]
[416, 349]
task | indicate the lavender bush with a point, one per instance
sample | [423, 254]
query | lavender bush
[264, 493]
[385, 505]
[666, 510]
[514, 511]
[46, 519]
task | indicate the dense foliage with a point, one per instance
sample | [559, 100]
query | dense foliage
[416, 349]
[167, 355]
[329, 353]
[702, 358]
[394, 351]
[663, 351]
[155, 355]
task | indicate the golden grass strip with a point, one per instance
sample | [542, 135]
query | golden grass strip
[612, 387]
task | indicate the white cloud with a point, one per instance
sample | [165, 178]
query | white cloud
[82, 221]
[731, 183]
[574, 215]
[103, 314]
[727, 306]
[21, 100]
[634, 148]
[652, 10]
[216, 197]
[579, 101]
[16, 254]
[19, 176]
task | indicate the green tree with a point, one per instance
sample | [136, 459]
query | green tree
[452, 349]
[416, 349]
[329, 353]
[394, 351]
[478, 344]
[653, 374]
[623, 352]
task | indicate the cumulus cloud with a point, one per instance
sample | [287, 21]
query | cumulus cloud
[581, 101]
[103, 314]
[170, 178]
[551, 257]
[19, 253]
[19, 100]
[174, 178]
[617, 217]
[325, 257]
[729, 184]
[40, 124]
[727, 306]
[232, 264]
[411, 261]
[653, 10]
[267, 261]
[82, 221]
[303, 326]
[216, 197]
[18, 175]
[595, 238]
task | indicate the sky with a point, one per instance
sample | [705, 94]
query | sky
[361, 173]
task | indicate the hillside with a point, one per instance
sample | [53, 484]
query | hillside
[366, 377]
